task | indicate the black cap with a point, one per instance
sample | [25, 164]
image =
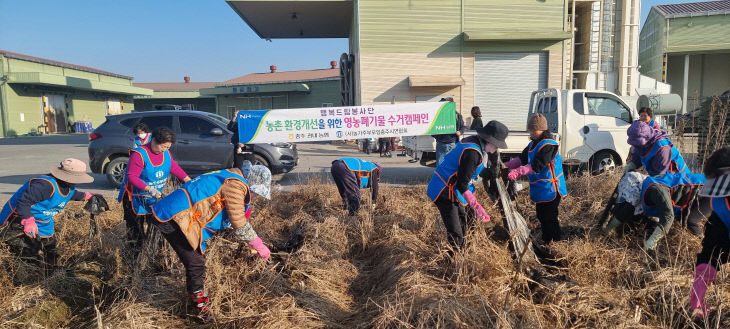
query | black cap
[494, 132]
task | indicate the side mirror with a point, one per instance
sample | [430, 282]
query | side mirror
[216, 132]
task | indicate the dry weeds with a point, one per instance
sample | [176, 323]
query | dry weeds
[388, 268]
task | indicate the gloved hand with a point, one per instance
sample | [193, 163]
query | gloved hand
[629, 167]
[514, 163]
[30, 228]
[478, 209]
[154, 193]
[260, 248]
[523, 170]
[704, 275]
[88, 195]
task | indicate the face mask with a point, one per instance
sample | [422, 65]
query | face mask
[142, 136]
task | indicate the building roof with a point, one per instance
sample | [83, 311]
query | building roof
[175, 86]
[256, 78]
[704, 8]
[10, 54]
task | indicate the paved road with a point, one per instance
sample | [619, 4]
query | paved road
[25, 157]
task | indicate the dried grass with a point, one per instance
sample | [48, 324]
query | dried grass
[387, 268]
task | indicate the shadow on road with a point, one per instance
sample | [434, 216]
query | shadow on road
[48, 139]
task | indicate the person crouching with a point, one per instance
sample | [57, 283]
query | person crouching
[203, 207]
[351, 175]
[36, 204]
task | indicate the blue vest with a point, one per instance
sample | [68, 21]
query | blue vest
[189, 194]
[444, 177]
[363, 170]
[676, 163]
[546, 185]
[673, 181]
[153, 176]
[721, 209]
[137, 143]
[44, 211]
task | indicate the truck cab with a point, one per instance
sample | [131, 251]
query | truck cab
[591, 125]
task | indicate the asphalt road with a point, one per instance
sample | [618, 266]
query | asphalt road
[25, 157]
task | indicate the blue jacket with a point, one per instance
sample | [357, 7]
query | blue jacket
[187, 197]
[444, 176]
[45, 211]
[548, 184]
[363, 170]
[672, 181]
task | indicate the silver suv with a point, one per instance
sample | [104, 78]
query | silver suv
[203, 144]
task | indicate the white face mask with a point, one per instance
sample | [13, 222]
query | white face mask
[142, 136]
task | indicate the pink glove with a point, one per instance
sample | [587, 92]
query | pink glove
[524, 170]
[29, 227]
[474, 204]
[260, 248]
[248, 213]
[704, 275]
[513, 163]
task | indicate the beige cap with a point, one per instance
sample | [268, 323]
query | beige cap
[537, 122]
[72, 171]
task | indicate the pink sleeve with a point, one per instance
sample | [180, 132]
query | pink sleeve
[176, 171]
[134, 169]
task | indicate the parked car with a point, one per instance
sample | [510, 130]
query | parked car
[203, 144]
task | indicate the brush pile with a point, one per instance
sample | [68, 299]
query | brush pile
[386, 268]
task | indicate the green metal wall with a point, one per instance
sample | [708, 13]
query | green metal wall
[701, 33]
[320, 92]
[651, 46]
[393, 26]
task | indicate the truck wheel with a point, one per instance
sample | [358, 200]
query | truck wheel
[602, 162]
[115, 171]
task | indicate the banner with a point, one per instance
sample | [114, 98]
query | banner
[352, 122]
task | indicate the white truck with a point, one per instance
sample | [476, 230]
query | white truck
[590, 126]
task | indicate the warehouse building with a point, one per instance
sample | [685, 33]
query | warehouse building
[175, 95]
[277, 90]
[487, 53]
[39, 95]
[687, 46]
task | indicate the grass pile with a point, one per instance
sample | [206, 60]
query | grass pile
[386, 268]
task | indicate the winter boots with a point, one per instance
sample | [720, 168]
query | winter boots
[201, 303]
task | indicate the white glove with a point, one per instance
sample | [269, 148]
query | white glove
[154, 193]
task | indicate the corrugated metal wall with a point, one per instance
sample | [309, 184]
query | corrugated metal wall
[504, 82]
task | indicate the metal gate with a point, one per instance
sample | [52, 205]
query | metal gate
[503, 83]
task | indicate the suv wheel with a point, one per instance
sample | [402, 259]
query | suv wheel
[260, 160]
[115, 171]
[602, 162]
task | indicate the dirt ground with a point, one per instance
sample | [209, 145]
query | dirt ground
[387, 268]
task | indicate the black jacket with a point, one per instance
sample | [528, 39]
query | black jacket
[476, 123]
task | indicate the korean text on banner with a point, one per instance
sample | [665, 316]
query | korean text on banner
[352, 122]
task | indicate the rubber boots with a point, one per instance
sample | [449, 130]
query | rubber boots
[202, 306]
[704, 275]
[612, 225]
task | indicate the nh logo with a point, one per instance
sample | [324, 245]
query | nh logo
[159, 174]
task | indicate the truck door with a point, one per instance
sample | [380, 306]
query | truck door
[606, 120]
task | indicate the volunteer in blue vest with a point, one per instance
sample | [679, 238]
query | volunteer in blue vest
[716, 242]
[451, 187]
[647, 115]
[36, 204]
[542, 164]
[149, 167]
[142, 134]
[201, 208]
[351, 175]
[652, 149]
[665, 196]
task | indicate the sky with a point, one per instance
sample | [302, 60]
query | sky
[161, 40]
